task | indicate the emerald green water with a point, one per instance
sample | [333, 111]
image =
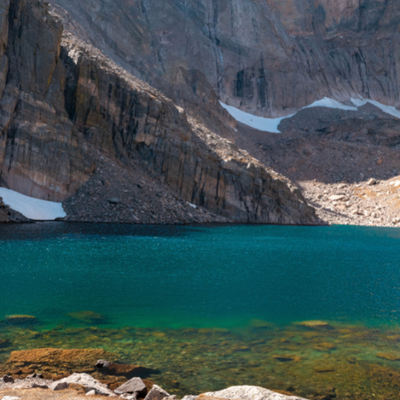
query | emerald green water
[212, 306]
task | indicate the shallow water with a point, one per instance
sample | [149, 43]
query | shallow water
[210, 307]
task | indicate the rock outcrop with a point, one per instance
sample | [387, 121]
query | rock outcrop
[62, 101]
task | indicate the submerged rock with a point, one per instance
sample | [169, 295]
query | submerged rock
[315, 325]
[88, 317]
[126, 370]
[20, 319]
[325, 346]
[73, 358]
[389, 356]
[247, 393]
[286, 358]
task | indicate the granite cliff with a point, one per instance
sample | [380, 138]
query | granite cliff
[74, 123]
[269, 57]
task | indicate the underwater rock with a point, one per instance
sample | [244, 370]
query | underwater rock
[88, 317]
[315, 325]
[394, 338]
[388, 356]
[325, 346]
[286, 358]
[73, 358]
[4, 343]
[247, 393]
[260, 323]
[126, 370]
[324, 369]
[157, 393]
[88, 382]
[19, 320]
[135, 386]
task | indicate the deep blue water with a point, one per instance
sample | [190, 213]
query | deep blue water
[220, 276]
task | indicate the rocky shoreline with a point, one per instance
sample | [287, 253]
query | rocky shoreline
[109, 379]
[83, 385]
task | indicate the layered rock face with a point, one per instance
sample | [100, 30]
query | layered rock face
[267, 57]
[40, 154]
[64, 103]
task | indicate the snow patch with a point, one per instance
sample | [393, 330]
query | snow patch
[259, 123]
[271, 124]
[386, 109]
[38, 210]
[330, 103]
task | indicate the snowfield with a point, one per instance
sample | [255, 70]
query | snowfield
[38, 210]
[259, 123]
[271, 124]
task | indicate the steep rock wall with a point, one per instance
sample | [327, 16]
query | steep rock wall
[62, 97]
[268, 57]
[40, 155]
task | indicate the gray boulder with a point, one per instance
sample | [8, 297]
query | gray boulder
[88, 382]
[157, 393]
[250, 393]
[58, 386]
[133, 386]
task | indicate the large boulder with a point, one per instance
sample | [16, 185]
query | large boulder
[88, 382]
[247, 393]
[157, 393]
[134, 386]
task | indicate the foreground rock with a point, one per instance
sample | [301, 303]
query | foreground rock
[88, 382]
[246, 393]
[157, 393]
[134, 386]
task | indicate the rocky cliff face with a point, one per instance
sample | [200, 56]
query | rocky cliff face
[65, 105]
[268, 57]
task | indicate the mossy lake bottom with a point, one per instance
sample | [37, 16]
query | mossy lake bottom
[204, 308]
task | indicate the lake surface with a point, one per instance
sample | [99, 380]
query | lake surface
[210, 307]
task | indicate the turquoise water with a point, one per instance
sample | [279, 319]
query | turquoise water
[210, 307]
[195, 276]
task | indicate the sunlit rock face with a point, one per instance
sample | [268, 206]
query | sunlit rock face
[268, 57]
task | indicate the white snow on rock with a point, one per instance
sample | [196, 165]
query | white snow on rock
[271, 124]
[386, 109]
[259, 123]
[38, 210]
[330, 103]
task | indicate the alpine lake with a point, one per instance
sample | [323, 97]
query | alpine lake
[308, 311]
